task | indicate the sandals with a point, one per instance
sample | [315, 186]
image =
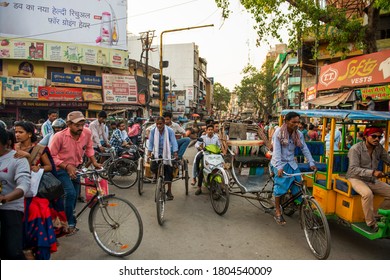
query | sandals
[72, 231]
[169, 196]
[193, 182]
[198, 192]
[280, 220]
[374, 227]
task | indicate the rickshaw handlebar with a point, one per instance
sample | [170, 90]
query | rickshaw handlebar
[297, 174]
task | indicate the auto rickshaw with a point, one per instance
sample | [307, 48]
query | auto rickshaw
[330, 187]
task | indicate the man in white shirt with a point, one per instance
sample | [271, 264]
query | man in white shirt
[207, 139]
[98, 129]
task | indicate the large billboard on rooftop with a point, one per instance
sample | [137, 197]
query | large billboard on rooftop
[92, 22]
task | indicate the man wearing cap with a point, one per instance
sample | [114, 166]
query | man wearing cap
[363, 173]
[67, 149]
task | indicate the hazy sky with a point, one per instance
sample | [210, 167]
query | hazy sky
[228, 46]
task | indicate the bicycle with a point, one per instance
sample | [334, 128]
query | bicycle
[160, 193]
[114, 222]
[312, 218]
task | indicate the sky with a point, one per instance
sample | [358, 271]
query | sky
[228, 46]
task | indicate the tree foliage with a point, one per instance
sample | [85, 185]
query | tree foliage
[256, 88]
[221, 97]
[333, 24]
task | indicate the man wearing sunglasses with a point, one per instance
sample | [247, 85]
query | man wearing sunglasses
[363, 173]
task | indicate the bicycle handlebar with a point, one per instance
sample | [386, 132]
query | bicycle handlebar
[85, 171]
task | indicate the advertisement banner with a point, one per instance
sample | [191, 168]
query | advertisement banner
[60, 94]
[94, 22]
[26, 69]
[119, 89]
[22, 88]
[376, 93]
[81, 81]
[28, 49]
[92, 96]
[311, 93]
[363, 70]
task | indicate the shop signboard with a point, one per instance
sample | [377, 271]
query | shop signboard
[376, 93]
[358, 71]
[60, 94]
[41, 50]
[98, 22]
[22, 88]
[119, 89]
[47, 104]
[311, 93]
[73, 80]
[92, 96]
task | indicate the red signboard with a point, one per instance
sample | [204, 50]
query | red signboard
[311, 93]
[60, 94]
[359, 71]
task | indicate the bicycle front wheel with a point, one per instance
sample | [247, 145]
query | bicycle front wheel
[123, 173]
[160, 201]
[219, 194]
[116, 226]
[316, 228]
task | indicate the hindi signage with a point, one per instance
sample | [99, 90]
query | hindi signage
[119, 89]
[82, 81]
[60, 94]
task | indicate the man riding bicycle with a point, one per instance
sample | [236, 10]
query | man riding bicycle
[285, 139]
[162, 142]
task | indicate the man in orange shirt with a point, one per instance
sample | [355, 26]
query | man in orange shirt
[67, 149]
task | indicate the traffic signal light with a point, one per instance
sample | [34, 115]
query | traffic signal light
[165, 84]
[156, 83]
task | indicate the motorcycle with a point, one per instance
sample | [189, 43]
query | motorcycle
[215, 177]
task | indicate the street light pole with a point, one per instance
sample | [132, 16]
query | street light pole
[161, 57]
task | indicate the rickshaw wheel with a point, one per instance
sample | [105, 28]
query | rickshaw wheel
[219, 194]
[315, 227]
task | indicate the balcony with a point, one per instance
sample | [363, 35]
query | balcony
[294, 81]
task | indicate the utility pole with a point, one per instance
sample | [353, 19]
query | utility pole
[146, 40]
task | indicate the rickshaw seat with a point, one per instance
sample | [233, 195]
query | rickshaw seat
[252, 159]
[305, 167]
[343, 186]
[316, 148]
[253, 183]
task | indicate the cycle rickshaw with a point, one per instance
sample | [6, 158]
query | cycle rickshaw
[330, 187]
[247, 162]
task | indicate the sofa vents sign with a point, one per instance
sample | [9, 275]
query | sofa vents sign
[356, 72]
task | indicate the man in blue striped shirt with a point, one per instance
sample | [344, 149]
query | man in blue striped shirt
[46, 127]
[284, 141]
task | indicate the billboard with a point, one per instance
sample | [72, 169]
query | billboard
[119, 89]
[91, 22]
[359, 71]
[29, 49]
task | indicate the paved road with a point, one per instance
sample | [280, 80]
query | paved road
[193, 231]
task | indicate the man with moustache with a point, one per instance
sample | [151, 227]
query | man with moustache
[67, 149]
[363, 173]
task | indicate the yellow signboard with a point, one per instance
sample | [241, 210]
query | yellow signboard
[92, 96]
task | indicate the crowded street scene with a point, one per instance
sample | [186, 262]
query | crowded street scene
[117, 143]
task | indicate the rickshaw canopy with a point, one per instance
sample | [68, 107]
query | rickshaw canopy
[343, 114]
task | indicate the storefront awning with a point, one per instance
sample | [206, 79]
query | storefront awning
[331, 100]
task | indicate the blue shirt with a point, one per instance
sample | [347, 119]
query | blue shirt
[282, 155]
[172, 140]
[337, 139]
[46, 128]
